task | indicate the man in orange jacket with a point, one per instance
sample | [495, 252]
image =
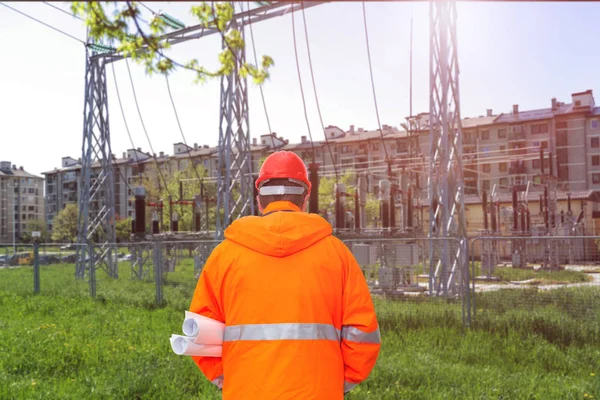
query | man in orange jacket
[300, 322]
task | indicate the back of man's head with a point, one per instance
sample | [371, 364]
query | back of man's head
[297, 199]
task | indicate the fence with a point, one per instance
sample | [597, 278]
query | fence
[552, 275]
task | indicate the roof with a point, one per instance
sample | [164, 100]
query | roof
[368, 135]
[19, 173]
[535, 115]
[199, 152]
[478, 121]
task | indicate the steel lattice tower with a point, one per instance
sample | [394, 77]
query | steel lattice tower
[448, 258]
[96, 222]
[235, 194]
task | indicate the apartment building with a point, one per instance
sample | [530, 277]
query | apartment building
[21, 202]
[499, 151]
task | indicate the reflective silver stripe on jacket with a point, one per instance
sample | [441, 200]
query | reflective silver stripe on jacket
[218, 381]
[348, 386]
[287, 331]
[353, 334]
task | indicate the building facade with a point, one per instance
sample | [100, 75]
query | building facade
[499, 151]
[21, 202]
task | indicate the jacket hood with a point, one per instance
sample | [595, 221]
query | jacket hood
[281, 231]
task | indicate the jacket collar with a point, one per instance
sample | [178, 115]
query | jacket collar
[280, 206]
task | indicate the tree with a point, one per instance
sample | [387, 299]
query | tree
[38, 225]
[123, 229]
[148, 47]
[156, 191]
[64, 225]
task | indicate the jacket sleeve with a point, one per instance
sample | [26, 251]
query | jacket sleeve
[206, 302]
[360, 330]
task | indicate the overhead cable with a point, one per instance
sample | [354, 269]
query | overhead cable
[373, 83]
[144, 128]
[312, 74]
[302, 89]
[43, 23]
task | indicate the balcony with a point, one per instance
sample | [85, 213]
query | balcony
[517, 136]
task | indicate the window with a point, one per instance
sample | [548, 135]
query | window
[485, 135]
[562, 156]
[594, 124]
[402, 147]
[502, 148]
[502, 167]
[375, 146]
[563, 173]
[561, 139]
[561, 125]
[577, 103]
[535, 164]
[503, 181]
[486, 168]
[539, 128]
[595, 160]
[485, 185]
[596, 178]
[501, 133]
[345, 149]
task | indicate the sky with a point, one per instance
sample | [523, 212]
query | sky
[509, 53]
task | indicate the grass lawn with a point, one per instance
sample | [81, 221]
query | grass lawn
[61, 344]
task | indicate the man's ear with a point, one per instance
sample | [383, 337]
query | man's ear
[305, 203]
[260, 207]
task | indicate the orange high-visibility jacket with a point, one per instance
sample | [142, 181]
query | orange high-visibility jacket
[300, 322]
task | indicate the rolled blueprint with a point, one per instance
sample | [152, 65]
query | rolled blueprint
[203, 330]
[185, 346]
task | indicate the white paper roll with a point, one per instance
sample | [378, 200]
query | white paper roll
[203, 330]
[185, 346]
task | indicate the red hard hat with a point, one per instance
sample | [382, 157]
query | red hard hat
[283, 164]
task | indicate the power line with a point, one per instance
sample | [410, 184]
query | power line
[301, 88]
[62, 10]
[262, 95]
[137, 160]
[373, 84]
[181, 131]
[144, 128]
[43, 23]
[316, 95]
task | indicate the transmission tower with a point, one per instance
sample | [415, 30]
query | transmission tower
[447, 257]
[96, 222]
[235, 194]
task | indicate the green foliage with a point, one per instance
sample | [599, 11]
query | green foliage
[148, 48]
[524, 344]
[327, 196]
[64, 225]
[123, 229]
[156, 191]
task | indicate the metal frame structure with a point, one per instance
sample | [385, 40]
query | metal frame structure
[235, 194]
[96, 222]
[448, 261]
[235, 191]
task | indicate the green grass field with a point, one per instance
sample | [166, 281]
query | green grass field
[61, 344]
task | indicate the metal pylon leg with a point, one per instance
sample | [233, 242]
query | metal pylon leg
[234, 180]
[96, 222]
[448, 257]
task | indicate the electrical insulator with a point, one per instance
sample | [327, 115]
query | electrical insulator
[175, 223]
[155, 226]
[140, 209]
[313, 204]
